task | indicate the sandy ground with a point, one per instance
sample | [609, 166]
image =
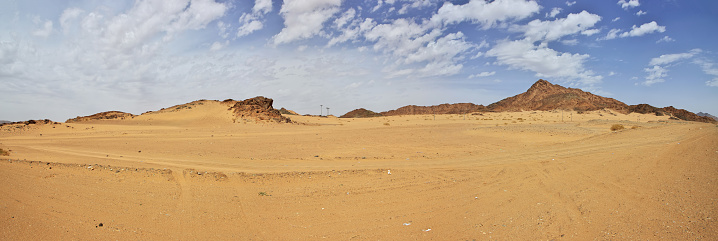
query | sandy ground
[199, 174]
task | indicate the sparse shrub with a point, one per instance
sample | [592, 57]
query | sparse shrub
[4, 152]
[635, 127]
[387, 124]
[616, 127]
[263, 194]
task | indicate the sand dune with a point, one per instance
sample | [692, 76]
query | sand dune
[196, 173]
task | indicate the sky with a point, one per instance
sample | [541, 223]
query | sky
[65, 58]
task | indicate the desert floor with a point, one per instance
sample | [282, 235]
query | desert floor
[197, 174]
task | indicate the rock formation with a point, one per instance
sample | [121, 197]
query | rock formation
[458, 108]
[360, 113]
[102, 116]
[284, 111]
[707, 115]
[546, 96]
[256, 109]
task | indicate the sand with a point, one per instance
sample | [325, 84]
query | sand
[198, 174]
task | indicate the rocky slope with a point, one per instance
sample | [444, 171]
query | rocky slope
[102, 116]
[546, 96]
[458, 108]
[256, 109]
[707, 115]
[360, 113]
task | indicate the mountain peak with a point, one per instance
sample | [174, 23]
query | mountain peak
[546, 96]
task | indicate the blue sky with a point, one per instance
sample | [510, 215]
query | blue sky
[61, 59]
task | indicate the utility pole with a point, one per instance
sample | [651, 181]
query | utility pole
[327, 111]
[321, 108]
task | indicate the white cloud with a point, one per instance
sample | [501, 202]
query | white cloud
[538, 30]
[488, 14]
[248, 25]
[655, 75]
[262, 6]
[414, 4]
[611, 73]
[571, 42]
[589, 32]
[482, 74]
[554, 12]
[218, 45]
[616, 19]
[45, 30]
[546, 62]
[570, 3]
[67, 16]
[671, 58]
[644, 29]
[304, 19]
[641, 12]
[665, 39]
[708, 68]
[612, 34]
[250, 22]
[629, 4]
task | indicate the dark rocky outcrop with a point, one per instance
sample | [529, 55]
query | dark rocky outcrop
[102, 116]
[546, 96]
[360, 113]
[256, 109]
[458, 108]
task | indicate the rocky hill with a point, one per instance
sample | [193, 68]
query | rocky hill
[102, 116]
[458, 108]
[256, 109]
[360, 113]
[546, 96]
[707, 115]
[284, 111]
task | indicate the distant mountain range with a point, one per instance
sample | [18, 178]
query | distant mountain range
[544, 96]
[707, 115]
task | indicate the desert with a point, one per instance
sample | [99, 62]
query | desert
[241, 170]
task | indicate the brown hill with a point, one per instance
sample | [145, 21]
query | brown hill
[360, 113]
[546, 96]
[458, 108]
[284, 111]
[256, 109]
[707, 115]
[671, 111]
[102, 116]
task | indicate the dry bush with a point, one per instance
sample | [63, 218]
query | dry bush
[386, 123]
[635, 127]
[4, 152]
[616, 127]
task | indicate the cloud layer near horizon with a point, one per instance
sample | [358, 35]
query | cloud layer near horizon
[84, 57]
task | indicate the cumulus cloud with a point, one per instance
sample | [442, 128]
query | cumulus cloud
[658, 71]
[304, 19]
[709, 68]
[488, 14]
[671, 58]
[570, 3]
[538, 30]
[641, 12]
[655, 75]
[546, 62]
[665, 39]
[628, 4]
[45, 30]
[644, 29]
[554, 12]
[482, 74]
[250, 22]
